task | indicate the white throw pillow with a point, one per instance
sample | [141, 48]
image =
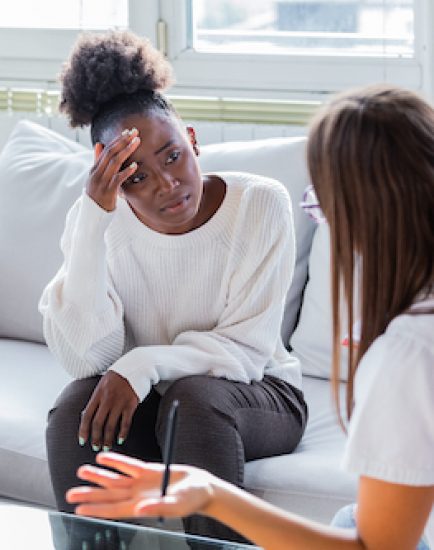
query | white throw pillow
[311, 341]
[41, 174]
[284, 160]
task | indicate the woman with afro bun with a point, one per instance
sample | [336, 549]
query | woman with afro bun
[172, 287]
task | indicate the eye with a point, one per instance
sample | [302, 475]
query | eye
[173, 157]
[137, 178]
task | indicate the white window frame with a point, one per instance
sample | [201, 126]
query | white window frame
[34, 56]
[286, 76]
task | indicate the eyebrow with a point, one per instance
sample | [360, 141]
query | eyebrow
[165, 146]
[157, 152]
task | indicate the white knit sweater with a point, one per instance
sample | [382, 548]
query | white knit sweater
[156, 307]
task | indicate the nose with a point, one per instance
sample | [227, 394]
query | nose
[166, 183]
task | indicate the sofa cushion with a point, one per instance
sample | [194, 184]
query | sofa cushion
[311, 341]
[42, 174]
[309, 481]
[31, 382]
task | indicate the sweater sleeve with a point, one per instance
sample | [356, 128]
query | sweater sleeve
[246, 335]
[82, 314]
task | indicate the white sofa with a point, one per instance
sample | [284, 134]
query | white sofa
[41, 174]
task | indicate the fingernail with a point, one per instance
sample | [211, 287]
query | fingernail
[125, 132]
[135, 140]
[133, 165]
[81, 441]
[95, 447]
[106, 448]
[133, 131]
[121, 440]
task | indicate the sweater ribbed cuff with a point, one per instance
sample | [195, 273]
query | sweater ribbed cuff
[131, 367]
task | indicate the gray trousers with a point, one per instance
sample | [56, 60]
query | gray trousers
[221, 425]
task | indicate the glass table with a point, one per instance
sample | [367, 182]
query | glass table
[27, 528]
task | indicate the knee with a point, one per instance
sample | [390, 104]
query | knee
[195, 392]
[72, 401]
[198, 403]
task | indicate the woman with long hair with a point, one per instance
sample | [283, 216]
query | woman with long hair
[371, 158]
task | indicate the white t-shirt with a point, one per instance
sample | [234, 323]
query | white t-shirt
[391, 432]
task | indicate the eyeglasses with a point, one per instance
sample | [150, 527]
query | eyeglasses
[311, 205]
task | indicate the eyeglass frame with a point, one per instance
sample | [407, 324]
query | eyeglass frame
[311, 207]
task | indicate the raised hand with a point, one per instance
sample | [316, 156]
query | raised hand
[136, 491]
[113, 401]
[107, 175]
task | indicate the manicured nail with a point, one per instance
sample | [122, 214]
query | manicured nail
[81, 441]
[133, 165]
[135, 140]
[125, 132]
[95, 447]
[106, 448]
[121, 440]
[133, 131]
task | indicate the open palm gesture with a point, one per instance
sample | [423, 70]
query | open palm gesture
[136, 491]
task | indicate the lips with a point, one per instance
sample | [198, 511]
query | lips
[175, 203]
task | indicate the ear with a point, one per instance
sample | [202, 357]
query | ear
[192, 137]
[97, 150]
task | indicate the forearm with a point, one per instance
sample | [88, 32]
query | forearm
[83, 359]
[193, 353]
[83, 316]
[85, 281]
[272, 528]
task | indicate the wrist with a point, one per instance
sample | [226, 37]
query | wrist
[218, 492]
[105, 203]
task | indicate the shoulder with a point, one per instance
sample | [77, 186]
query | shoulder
[404, 354]
[259, 195]
[414, 329]
[256, 185]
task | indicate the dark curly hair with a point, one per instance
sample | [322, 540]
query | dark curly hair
[111, 76]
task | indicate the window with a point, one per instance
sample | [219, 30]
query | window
[272, 49]
[36, 36]
[297, 48]
[76, 14]
[343, 27]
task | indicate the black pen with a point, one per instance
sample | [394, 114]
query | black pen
[169, 444]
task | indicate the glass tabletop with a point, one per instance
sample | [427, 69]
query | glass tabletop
[24, 528]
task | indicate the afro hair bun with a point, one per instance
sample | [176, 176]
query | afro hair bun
[103, 66]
